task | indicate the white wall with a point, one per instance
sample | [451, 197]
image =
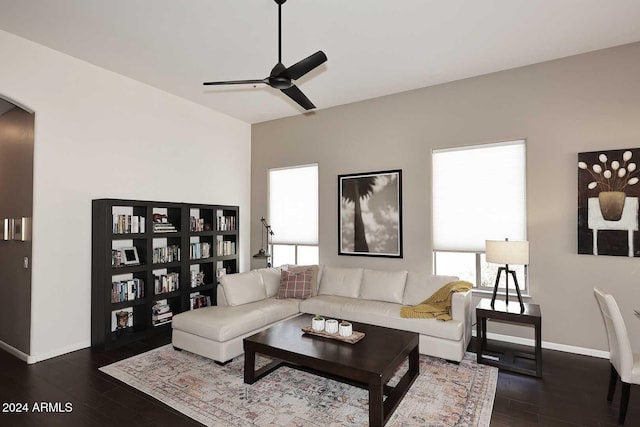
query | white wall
[583, 103]
[99, 134]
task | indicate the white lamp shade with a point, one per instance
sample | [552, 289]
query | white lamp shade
[507, 252]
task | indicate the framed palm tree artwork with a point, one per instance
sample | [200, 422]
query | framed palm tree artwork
[370, 214]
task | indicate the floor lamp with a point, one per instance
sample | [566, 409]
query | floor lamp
[508, 253]
[262, 253]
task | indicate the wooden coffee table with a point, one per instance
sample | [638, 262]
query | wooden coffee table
[369, 363]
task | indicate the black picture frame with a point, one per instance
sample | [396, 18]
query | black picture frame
[370, 214]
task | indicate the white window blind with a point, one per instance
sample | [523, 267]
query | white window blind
[479, 193]
[293, 205]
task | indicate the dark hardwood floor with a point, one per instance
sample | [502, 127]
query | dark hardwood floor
[97, 399]
[572, 392]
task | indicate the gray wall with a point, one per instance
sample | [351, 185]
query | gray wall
[587, 102]
[16, 200]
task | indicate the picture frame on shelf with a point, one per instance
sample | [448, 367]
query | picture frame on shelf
[370, 214]
[130, 256]
[221, 272]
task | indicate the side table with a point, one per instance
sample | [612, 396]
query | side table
[506, 359]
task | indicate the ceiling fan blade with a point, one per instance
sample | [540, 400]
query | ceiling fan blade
[303, 67]
[235, 82]
[296, 94]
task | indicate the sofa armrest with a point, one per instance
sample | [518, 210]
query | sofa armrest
[461, 310]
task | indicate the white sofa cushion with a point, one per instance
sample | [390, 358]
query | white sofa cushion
[224, 323]
[381, 285]
[381, 314]
[243, 288]
[271, 280]
[329, 306]
[421, 286]
[344, 282]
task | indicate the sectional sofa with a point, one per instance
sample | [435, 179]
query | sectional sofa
[247, 303]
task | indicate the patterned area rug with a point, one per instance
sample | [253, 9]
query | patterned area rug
[444, 394]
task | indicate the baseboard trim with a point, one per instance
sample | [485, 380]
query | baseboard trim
[59, 352]
[17, 353]
[31, 359]
[550, 345]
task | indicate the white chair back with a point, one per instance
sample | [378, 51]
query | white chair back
[620, 353]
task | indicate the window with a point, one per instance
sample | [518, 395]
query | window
[479, 194]
[293, 214]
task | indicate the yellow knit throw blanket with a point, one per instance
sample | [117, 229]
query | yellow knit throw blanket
[437, 305]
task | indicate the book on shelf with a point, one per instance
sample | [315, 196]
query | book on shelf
[163, 316]
[160, 305]
[225, 223]
[166, 254]
[197, 278]
[159, 320]
[225, 247]
[127, 290]
[161, 312]
[166, 283]
[163, 228]
[162, 225]
[199, 250]
[128, 224]
[197, 224]
[116, 258]
[199, 301]
[161, 308]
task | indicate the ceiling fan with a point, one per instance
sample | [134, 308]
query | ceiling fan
[282, 77]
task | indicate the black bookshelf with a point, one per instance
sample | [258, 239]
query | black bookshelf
[207, 237]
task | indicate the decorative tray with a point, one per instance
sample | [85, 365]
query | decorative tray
[354, 338]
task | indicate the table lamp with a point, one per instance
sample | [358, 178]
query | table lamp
[508, 253]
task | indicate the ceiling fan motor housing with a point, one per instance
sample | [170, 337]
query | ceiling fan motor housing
[280, 82]
[277, 79]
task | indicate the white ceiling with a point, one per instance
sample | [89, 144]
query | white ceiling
[374, 47]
